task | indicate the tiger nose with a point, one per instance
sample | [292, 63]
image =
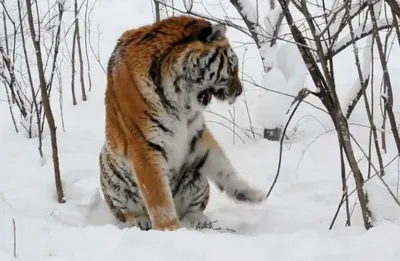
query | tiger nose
[238, 91]
[236, 87]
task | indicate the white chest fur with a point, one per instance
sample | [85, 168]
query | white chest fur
[184, 124]
[177, 145]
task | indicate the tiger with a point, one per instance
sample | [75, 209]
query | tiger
[158, 153]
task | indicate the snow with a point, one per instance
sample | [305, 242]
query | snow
[271, 107]
[267, 51]
[249, 10]
[290, 62]
[288, 77]
[292, 225]
[269, 54]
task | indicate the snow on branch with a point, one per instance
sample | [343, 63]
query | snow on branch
[356, 91]
[361, 83]
[249, 15]
[360, 33]
[336, 25]
[265, 38]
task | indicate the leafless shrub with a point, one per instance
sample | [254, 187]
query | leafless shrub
[32, 53]
[320, 36]
[76, 42]
[46, 99]
[325, 81]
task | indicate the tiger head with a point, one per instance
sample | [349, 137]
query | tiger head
[209, 66]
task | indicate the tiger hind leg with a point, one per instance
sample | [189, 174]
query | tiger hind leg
[121, 194]
[133, 217]
[117, 213]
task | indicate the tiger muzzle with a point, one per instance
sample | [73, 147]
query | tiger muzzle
[235, 88]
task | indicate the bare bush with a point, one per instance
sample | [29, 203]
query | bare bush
[324, 78]
[320, 35]
[32, 52]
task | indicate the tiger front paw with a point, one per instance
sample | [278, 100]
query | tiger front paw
[167, 224]
[141, 221]
[196, 220]
[249, 195]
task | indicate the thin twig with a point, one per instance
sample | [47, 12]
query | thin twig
[281, 142]
[376, 171]
[15, 238]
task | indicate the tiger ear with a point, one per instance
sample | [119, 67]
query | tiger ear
[212, 33]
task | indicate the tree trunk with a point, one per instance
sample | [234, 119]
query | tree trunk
[46, 104]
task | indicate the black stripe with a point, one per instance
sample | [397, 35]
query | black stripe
[176, 85]
[159, 148]
[166, 103]
[211, 75]
[193, 143]
[221, 65]
[204, 33]
[148, 103]
[178, 186]
[198, 199]
[155, 75]
[189, 178]
[116, 199]
[201, 77]
[155, 32]
[202, 161]
[195, 139]
[114, 170]
[155, 68]
[113, 166]
[159, 124]
[128, 179]
[129, 194]
[152, 145]
[115, 187]
[197, 202]
[130, 40]
[140, 131]
[213, 58]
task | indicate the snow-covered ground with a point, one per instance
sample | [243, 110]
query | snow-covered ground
[291, 225]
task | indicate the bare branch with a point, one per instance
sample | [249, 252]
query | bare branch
[15, 238]
[281, 141]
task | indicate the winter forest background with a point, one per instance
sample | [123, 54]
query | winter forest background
[317, 127]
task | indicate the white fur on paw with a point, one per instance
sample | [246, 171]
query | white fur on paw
[196, 220]
[142, 222]
[250, 195]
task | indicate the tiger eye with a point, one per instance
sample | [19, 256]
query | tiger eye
[204, 97]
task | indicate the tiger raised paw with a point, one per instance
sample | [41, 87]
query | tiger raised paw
[158, 154]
